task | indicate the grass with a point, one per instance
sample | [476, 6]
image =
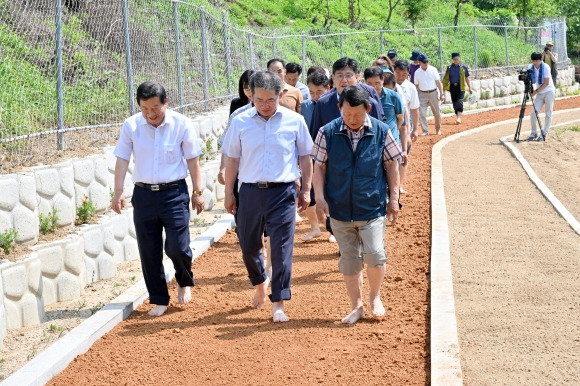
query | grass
[561, 130]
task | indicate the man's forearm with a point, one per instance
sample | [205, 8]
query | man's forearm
[306, 168]
[195, 173]
[121, 168]
[318, 179]
[415, 118]
[393, 180]
[232, 165]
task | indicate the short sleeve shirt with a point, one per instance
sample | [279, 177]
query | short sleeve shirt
[159, 153]
[268, 149]
[291, 97]
[426, 80]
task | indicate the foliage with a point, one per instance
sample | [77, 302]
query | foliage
[7, 239]
[48, 223]
[415, 10]
[86, 211]
[485, 59]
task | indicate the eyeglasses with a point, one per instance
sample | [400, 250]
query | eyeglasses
[346, 76]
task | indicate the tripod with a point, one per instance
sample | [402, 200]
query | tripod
[527, 95]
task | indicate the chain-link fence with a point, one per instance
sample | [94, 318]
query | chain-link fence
[69, 68]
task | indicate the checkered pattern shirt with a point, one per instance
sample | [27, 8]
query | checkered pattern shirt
[391, 151]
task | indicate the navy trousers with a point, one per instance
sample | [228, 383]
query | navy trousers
[273, 210]
[152, 213]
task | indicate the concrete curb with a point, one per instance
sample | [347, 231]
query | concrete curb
[445, 350]
[57, 357]
[560, 208]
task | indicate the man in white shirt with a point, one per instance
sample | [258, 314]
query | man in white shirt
[428, 83]
[264, 146]
[545, 94]
[412, 105]
[164, 146]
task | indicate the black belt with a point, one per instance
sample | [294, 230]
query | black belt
[455, 84]
[267, 185]
[157, 187]
[428, 91]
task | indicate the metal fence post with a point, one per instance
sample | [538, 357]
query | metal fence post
[178, 57]
[507, 56]
[204, 59]
[341, 44]
[251, 47]
[59, 91]
[274, 44]
[227, 51]
[303, 57]
[475, 50]
[382, 50]
[440, 48]
[128, 58]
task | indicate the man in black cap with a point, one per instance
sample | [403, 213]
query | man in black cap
[415, 65]
[456, 81]
[392, 54]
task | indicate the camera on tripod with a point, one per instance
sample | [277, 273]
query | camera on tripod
[526, 76]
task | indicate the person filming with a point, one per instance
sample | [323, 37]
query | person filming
[550, 58]
[545, 94]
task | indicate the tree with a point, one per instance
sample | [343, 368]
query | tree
[415, 10]
[458, 4]
[391, 8]
[352, 13]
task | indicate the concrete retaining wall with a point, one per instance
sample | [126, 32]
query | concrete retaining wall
[60, 270]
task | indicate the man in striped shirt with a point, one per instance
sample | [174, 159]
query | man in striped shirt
[352, 191]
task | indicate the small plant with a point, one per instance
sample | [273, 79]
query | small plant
[56, 329]
[485, 95]
[208, 146]
[86, 211]
[97, 307]
[48, 223]
[447, 110]
[7, 239]
[133, 278]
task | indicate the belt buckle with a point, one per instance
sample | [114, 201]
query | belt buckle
[154, 188]
[262, 185]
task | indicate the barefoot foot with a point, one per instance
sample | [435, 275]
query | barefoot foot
[332, 239]
[377, 308]
[260, 294]
[354, 316]
[183, 294]
[157, 311]
[278, 312]
[314, 233]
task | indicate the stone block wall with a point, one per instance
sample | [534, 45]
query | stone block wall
[60, 270]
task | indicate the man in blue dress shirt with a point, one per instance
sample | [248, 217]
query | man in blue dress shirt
[164, 148]
[264, 146]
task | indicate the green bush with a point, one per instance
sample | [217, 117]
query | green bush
[7, 239]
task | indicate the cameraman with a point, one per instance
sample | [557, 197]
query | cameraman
[550, 59]
[545, 94]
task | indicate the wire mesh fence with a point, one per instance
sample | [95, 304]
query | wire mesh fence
[69, 69]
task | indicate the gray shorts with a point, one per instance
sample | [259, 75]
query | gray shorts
[360, 242]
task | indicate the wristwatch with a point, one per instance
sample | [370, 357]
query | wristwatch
[197, 192]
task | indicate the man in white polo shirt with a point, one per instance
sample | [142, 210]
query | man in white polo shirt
[428, 83]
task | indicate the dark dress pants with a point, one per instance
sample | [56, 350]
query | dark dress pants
[457, 98]
[273, 210]
[153, 212]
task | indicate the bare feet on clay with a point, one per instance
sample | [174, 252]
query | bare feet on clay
[157, 311]
[354, 316]
[278, 314]
[332, 239]
[312, 235]
[183, 294]
[260, 295]
[377, 308]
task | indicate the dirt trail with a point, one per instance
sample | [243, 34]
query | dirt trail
[219, 340]
[515, 260]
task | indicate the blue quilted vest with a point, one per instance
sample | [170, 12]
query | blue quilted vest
[356, 181]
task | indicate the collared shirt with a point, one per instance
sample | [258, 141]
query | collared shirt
[304, 90]
[411, 96]
[391, 151]
[268, 149]
[232, 116]
[291, 97]
[307, 109]
[426, 79]
[159, 153]
[392, 106]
